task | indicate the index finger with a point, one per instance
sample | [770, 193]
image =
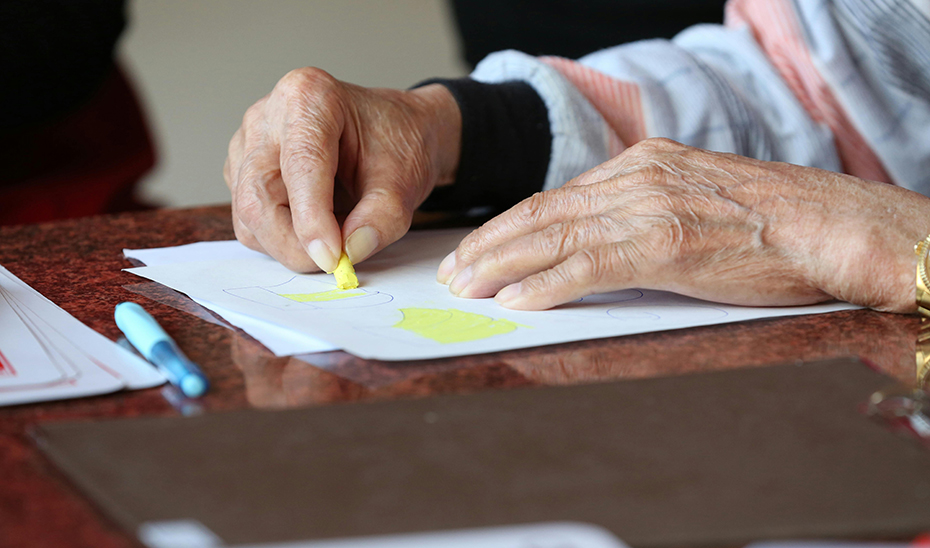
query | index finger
[260, 203]
[309, 157]
[532, 214]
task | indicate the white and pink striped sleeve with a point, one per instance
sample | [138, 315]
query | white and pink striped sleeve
[810, 82]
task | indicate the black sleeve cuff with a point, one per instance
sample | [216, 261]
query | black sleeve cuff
[506, 144]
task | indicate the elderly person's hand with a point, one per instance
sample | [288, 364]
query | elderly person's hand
[316, 147]
[714, 226]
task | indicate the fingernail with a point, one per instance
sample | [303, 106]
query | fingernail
[445, 268]
[361, 243]
[460, 281]
[322, 255]
[509, 293]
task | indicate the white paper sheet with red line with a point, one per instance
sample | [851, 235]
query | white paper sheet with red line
[47, 354]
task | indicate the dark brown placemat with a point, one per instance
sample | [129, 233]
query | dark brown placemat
[717, 458]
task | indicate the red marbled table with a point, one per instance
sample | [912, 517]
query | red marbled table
[77, 264]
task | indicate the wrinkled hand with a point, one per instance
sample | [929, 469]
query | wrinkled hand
[316, 147]
[713, 226]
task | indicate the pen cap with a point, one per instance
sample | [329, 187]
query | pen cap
[140, 328]
[180, 371]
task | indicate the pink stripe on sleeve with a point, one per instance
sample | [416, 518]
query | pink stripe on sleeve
[778, 32]
[618, 101]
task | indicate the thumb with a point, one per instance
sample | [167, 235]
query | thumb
[380, 218]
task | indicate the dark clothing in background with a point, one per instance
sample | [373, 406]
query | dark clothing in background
[73, 138]
[54, 55]
[505, 126]
[572, 29]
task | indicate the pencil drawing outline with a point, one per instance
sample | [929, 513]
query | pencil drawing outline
[282, 299]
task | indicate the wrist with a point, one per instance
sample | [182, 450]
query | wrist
[878, 241]
[441, 121]
[504, 144]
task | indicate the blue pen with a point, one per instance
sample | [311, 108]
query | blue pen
[156, 346]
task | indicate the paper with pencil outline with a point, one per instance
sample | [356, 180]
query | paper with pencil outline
[282, 342]
[406, 273]
[287, 295]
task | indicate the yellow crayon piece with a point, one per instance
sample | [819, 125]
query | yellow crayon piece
[345, 274]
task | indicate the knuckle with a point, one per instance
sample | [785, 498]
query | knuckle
[256, 175]
[492, 260]
[254, 114]
[586, 267]
[594, 175]
[603, 265]
[555, 240]
[470, 247]
[536, 205]
[531, 209]
[307, 83]
[247, 206]
[657, 144]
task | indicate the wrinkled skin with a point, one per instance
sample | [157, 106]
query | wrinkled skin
[661, 215]
[715, 226]
[316, 148]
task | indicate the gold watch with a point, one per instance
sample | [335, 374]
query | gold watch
[921, 249]
[906, 401]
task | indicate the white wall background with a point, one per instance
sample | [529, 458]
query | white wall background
[199, 64]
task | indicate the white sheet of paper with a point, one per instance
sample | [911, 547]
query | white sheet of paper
[37, 367]
[223, 250]
[281, 341]
[400, 312]
[133, 371]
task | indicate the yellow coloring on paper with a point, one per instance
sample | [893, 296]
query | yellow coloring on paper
[451, 325]
[331, 295]
[345, 274]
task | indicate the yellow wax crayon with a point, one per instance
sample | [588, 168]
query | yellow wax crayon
[345, 274]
